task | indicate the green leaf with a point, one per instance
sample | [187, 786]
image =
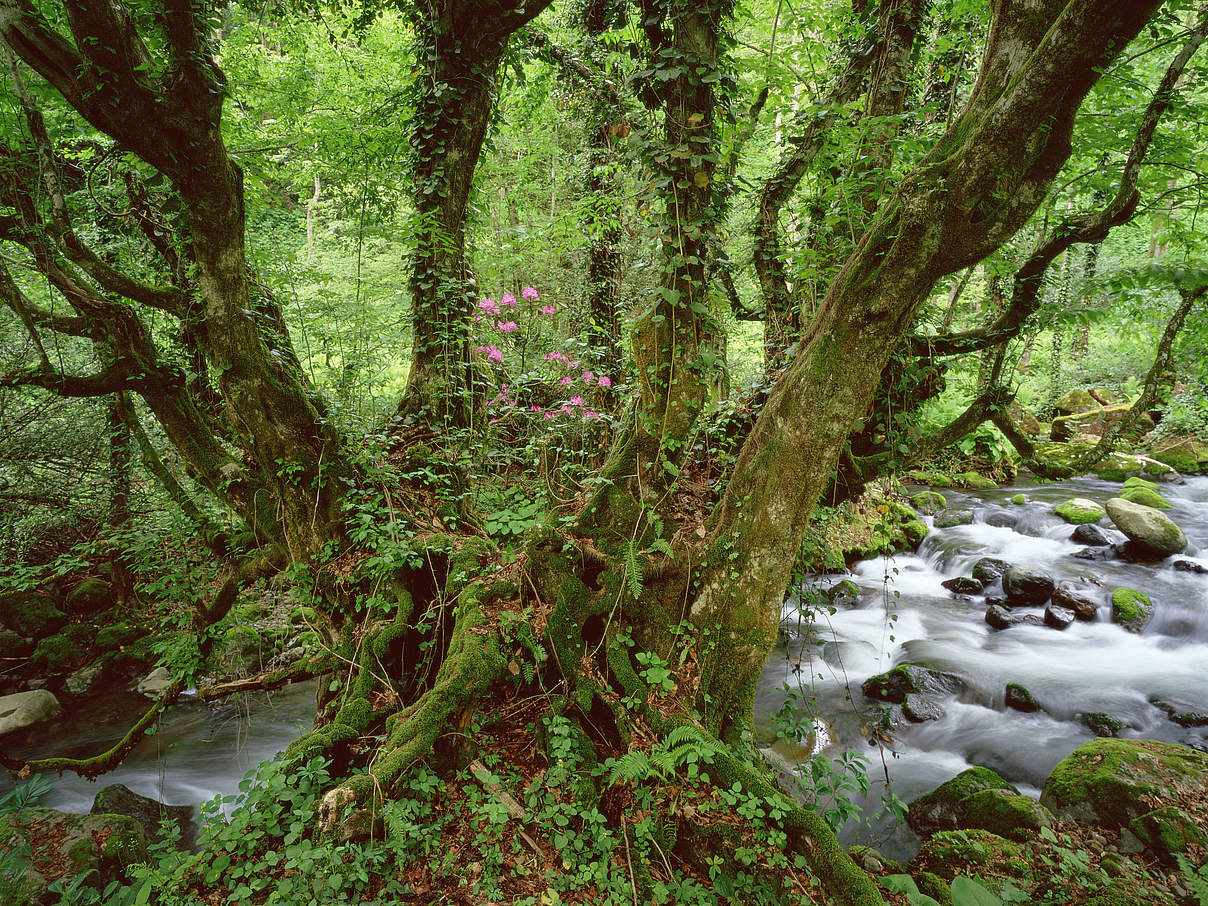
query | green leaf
[967, 892]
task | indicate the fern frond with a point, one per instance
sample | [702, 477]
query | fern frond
[633, 569]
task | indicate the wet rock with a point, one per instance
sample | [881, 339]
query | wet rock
[843, 593]
[1145, 495]
[1167, 833]
[1109, 782]
[1147, 527]
[971, 852]
[119, 799]
[1002, 812]
[1096, 553]
[919, 709]
[947, 518]
[1090, 534]
[1182, 715]
[155, 682]
[974, 480]
[83, 680]
[1002, 520]
[1131, 609]
[23, 709]
[1102, 724]
[1018, 499]
[998, 617]
[896, 684]
[1020, 699]
[1057, 617]
[12, 646]
[89, 597]
[939, 810]
[989, 569]
[928, 502]
[98, 848]
[963, 585]
[1190, 566]
[1027, 586]
[1072, 597]
[1080, 511]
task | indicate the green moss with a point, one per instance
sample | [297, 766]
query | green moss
[965, 852]
[935, 479]
[974, 480]
[927, 502]
[117, 635]
[932, 885]
[1004, 813]
[1130, 605]
[1144, 496]
[1079, 510]
[90, 596]
[31, 614]
[252, 611]
[66, 649]
[1018, 499]
[1168, 832]
[1138, 482]
[303, 616]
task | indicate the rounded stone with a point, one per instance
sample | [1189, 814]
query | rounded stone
[1079, 510]
[1027, 586]
[1147, 527]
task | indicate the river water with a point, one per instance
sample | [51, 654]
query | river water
[904, 615]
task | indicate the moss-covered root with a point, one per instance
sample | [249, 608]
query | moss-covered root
[471, 666]
[808, 835]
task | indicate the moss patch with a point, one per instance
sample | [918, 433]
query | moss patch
[1079, 510]
[1131, 608]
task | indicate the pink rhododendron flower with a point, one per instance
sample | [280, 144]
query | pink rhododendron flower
[566, 380]
[576, 401]
[549, 415]
[605, 381]
[529, 293]
[589, 376]
[547, 309]
[489, 306]
[494, 353]
[508, 300]
[506, 326]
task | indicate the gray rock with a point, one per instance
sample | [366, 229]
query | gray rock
[1190, 566]
[919, 709]
[963, 585]
[1020, 699]
[1002, 520]
[1147, 527]
[1090, 534]
[83, 680]
[998, 617]
[1026, 586]
[155, 682]
[894, 685]
[947, 518]
[22, 709]
[1102, 724]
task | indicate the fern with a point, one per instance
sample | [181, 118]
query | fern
[685, 745]
[630, 768]
[661, 546]
[1195, 878]
[633, 570]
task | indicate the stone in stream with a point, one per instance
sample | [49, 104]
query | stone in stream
[1098, 553]
[939, 810]
[1147, 527]
[906, 679]
[1002, 520]
[1027, 586]
[1090, 534]
[1071, 597]
[1183, 716]
[1190, 566]
[1131, 609]
[1146, 496]
[998, 617]
[1058, 617]
[918, 709]
[155, 682]
[928, 502]
[989, 569]
[83, 680]
[1020, 699]
[1102, 724]
[947, 518]
[22, 709]
[963, 585]
[1079, 511]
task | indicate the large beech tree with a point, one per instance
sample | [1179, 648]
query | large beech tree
[424, 648]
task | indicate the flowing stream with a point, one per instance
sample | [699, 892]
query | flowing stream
[904, 615]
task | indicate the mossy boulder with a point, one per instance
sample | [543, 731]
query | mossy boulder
[244, 648]
[1074, 401]
[989, 569]
[893, 527]
[950, 853]
[1112, 781]
[949, 517]
[1131, 609]
[89, 597]
[1145, 496]
[1078, 510]
[940, 809]
[934, 479]
[963, 585]
[64, 650]
[1018, 499]
[1057, 459]
[111, 638]
[974, 480]
[303, 615]
[1168, 833]
[1095, 421]
[1145, 526]
[928, 502]
[252, 611]
[907, 679]
[31, 614]
[13, 646]
[99, 848]
[1027, 586]
[1102, 724]
[1002, 812]
[151, 814]
[1188, 455]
